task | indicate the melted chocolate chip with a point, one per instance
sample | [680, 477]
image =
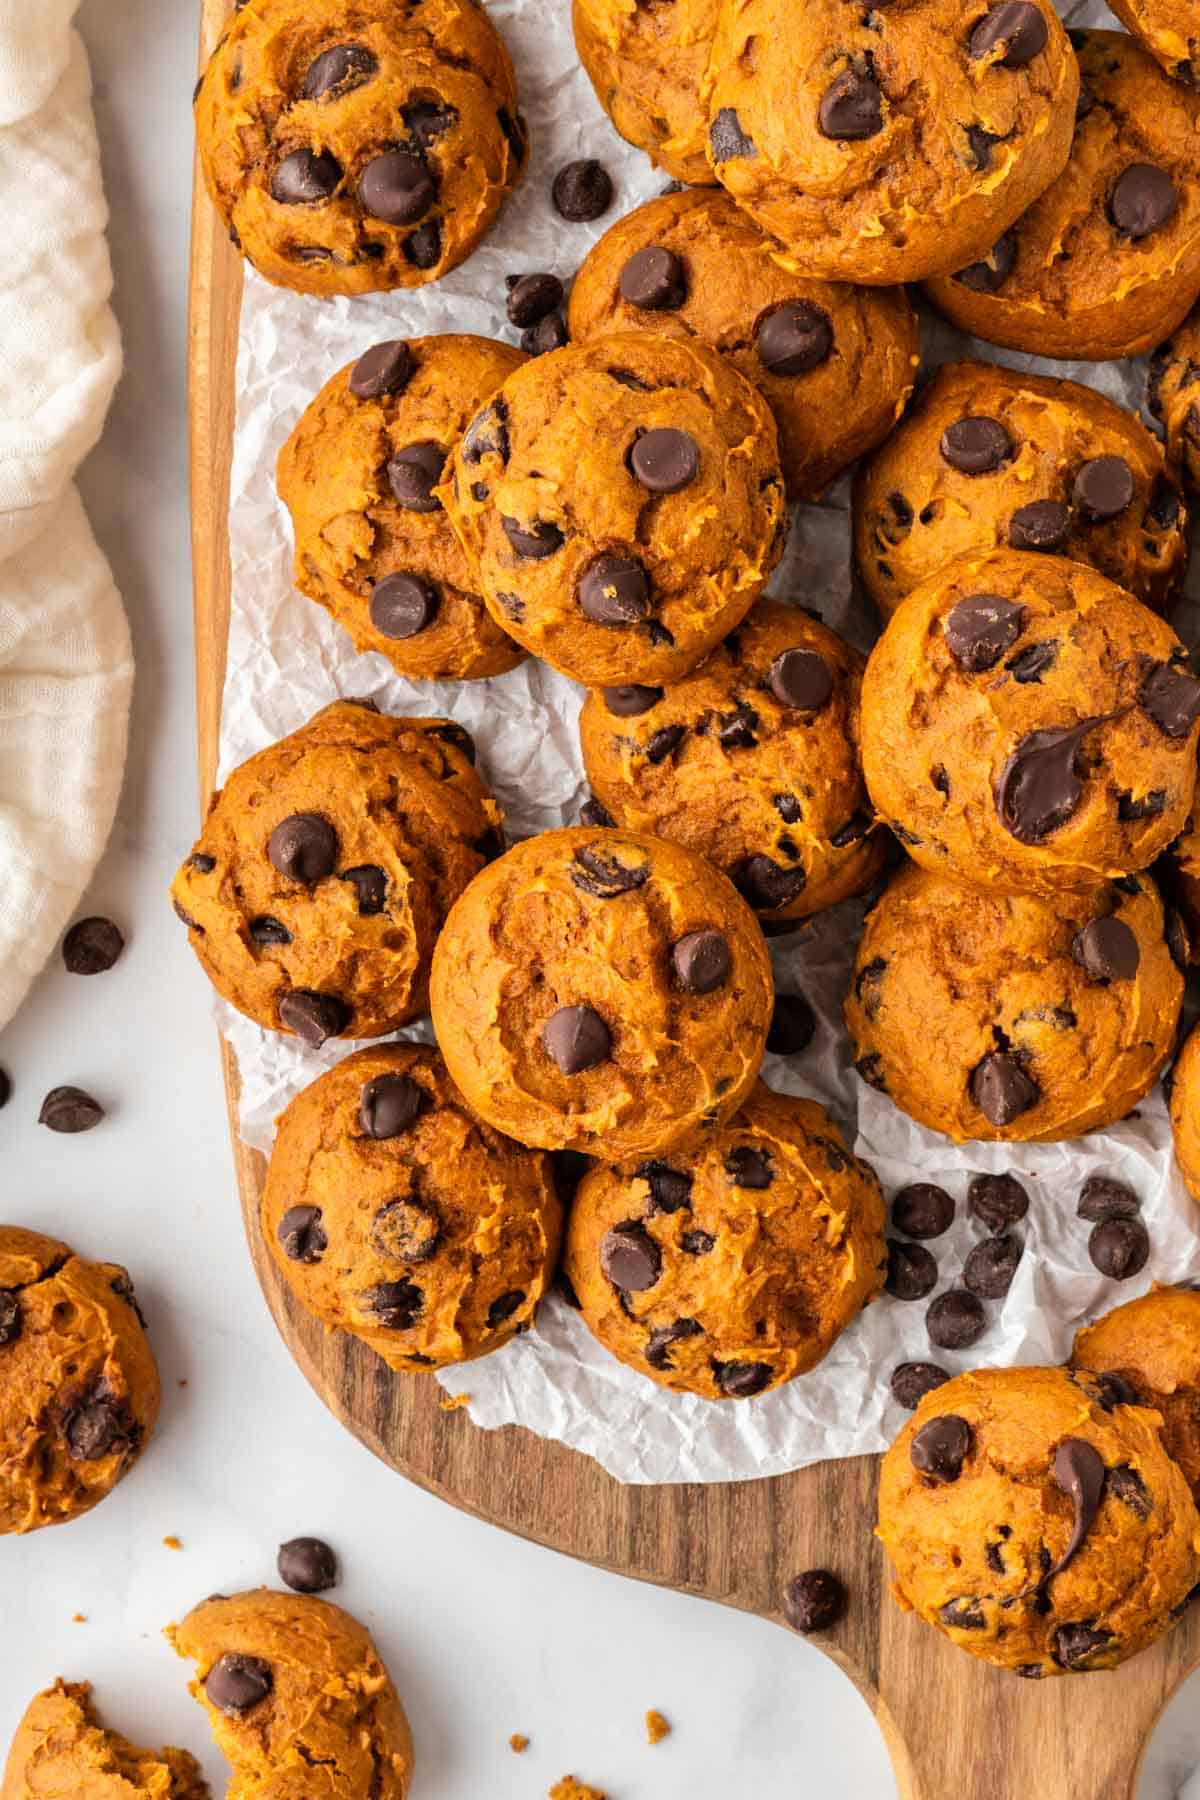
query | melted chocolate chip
[941, 1447]
[305, 177]
[1078, 1469]
[980, 629]
[670, 1189]
[397, 1305]
[1104, 488]
[236, 1684]
[653, 280]
[976, 446]
[726, 138]
[851, 108]
[423, 247]
[313, 1017]
[1106, 950]
[1075, 1645]
[1001, 1088]
[1042, 525]
[1016, 28]
[1039, 787]
[766, 885]
[99, 1426]
[631, 700]
[630, 1258]
[385, 368]
[702, 962]
[1143, 200]
[1030, 664]
[536, 541]
[338, 71]
[487, 435]
[749, 1168]
[658, 1349]
[989, 275]
[696, 1243]
[741, 1380]
[1127, 1486]
[413, 473]
[11, 1321]
[1171, 698]
[614, 590]
[407, 1230]
[397, 187]
[301, 1235]
[576, 1038]
[601, 873]
[793, 338]
[664, 743]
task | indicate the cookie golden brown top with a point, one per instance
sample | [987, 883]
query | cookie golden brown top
[603, 992]
[1174, 397]
[622, 502]
[1036, 1523]
[751, 760]
[1152, 1345]
[1169, 30]
[297, 1697]
[1127, 204]
[990, 458]
[884, 145]
[1027, 725]
[396, 1215]
[647, 64]
[360, 145]
[78, 1383]
[1185, 1112]
[835, 363]
[1051, 1017]
[326, 866]
[728, 1270]
[62, 1752]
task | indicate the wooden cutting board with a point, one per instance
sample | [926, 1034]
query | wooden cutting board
[956, 1729]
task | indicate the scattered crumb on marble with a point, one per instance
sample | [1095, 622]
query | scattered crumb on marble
[173, 1543]
[452, 1402]
[657, 1728]
[518, 1743]
[79, 1618]
[570, 1789]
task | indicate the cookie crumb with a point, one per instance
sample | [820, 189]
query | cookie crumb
[518, 1743]
[172, 1543]
[79, 1618]
[452, 1402]
[570, 1789]
[657, 1728]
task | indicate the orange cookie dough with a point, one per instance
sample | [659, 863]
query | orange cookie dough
[990, 458]
[752, 760]
[62, 1752]
[395, 1215]
[1107, 262]
[1174, 398]
[1170, 31]
[1185, 1112]
[1050, 1017]
[885, 144]
[647, 65]
[373, 545]
[78, 1383]
[622, 502]
[1038, 1524]
[599, 991]
[326, 866]
[297, 1698]
[727, 1271]
[835, 363]
[1027, 725]
[1152, 1346]
[359, 145]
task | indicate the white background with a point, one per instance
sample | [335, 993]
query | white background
[485, 1635]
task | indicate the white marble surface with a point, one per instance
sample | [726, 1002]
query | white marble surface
[484, 1634]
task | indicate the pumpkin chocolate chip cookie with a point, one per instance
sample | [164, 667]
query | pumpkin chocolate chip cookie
[1170, 31]
[326, 866]
[359, 146]
[62, 1750]
[1174, 398]
[728, 1270]
[1029, 726]
[1185, 1112]
[297, 1697]
[1149, 1352]
[394, 1214]
[751, 760]
[78, 1382]
[621, 500]
[599, 991]
[885, 144]
[1107, 262]
[373, 545]
[1051, 1017]
[1178, 871]
[835, 363]
[647, 65]
[990, 458]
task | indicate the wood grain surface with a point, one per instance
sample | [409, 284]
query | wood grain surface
[956, 1729]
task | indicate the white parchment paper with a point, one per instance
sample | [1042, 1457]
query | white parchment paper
[287, 659]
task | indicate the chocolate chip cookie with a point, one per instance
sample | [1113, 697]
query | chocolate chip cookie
[1051, 1017]
[1174, 398]
[622, 501]
[751, 760]
[358, 476]
[359, 145]
[1028, 726]
[1035, 1523]
[1107, 262]
[293, 1686]
[728, 1270]
[78, 1382]
[647, 65]
[1178, 872]
[395, 1215]
[885, 144]
[326, 866]
[61, 1748]
[1170, 31]
[991, 457]
[600, 991]
[1149, 1351]
[835, 363]
[1185, 1112]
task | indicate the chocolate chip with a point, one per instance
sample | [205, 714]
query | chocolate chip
[604, 876]
[1074, 1645]
[305, 177]
[1103, 1198]
[576, 1038]
[741, 1380]
[413, 473]
[922, 1210]
[301, 1235]
[582, 191]
[989, 274]
[236, 1683]
[532, 297]
[69, 1110]
[313, 1017]
[487, 434]
[766, 885]
[793, 1025]
[1106, 950]
[749, 1168]
[1143, 200]
[980, 629]
[664, 743]
[1030, 664]
[548, 334]
[631, 700]
[665, 461]
[388, 1105]
[1146, 806]
[97, 1427]
[1001, 1089]
[981, 143]
[658, 1349]
[911, 1381]
[793, 338]
[736, 730]
[11, 1321]
[396, 1304]
[397, 187]
[407, 1230]
[855, 828]
[976, 445]
[503, 1307]
[997, 1201]
[702, 962]
[1016, 27]
[1104, 488]
[989, 1269]
[338, 71]
[92, 946]
[630, 1258]
[1119, 1248]
[515, 132]
[1171, 698]
[1042, 525]
[370, 888]
[534, 542]
[304, 848]
[614, 590]
[955, 1320]
[1039, 787]
[870, 1069]
[1113, 1390]
[653, 280]
[963, 1614]
[670, 1189]
[267, 931]
[696, 1243]
[941, 1447]
[203, 864]
[726, 138]
[789, 809]
[1078, 1469]
[402, 606]
[307, 1565]
[385, 368]
[801, 680]
[814, 1601]
[852, 108]
[911, 1271]
[1127, 1486]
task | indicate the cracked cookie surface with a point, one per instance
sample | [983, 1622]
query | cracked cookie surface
[647, 65]
[61, 1751]
[1153, 1343]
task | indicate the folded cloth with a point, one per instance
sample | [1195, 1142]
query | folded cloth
[66, 669]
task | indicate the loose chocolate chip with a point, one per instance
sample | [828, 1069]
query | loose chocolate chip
[653, 280]
[1039, 787]
[749, 1168]
[266, 931]
[97, 1427]
[814, 1601]
[852, 108]
[1078, 1469]
[301, 1235]
[305, 177]
[1042, 525]
[604, 876]
[69, 1109]
[997, 1201]
[911, 1271]
[307, 1565]
[1074, 1645]
[396, 1304]
[1001, 1088]
[576, 1038]
[413, 473]
[503, 1307]
[1103, 488]
[702, 962]
[338, 71]
[534, 542]
[696, 1243]
[1171, 698]
[304, 848]
[407, 1230]
[630, 1258]
[726, 138]
[1127, 1486]
[989, 1269]
[980, 629]
[793, 1025]
[313, 1017]
[370, 887]
[665, 461]
[793, 338]
[1119, 1248]
[670, 1189]
[1016, 27]
[941, 1447]
[614, 590]
[911, 1381]
[92, 946]
[631, 700]
[976, 445]
[532, 297]
[397, 187]
[1103, 1198]
[235, 1683]
[922, 1210]
[989, 274]
[963, 1614]
[955, 1320]
[1143, 200]
[664, 743]
[741, 1380]
[1106, 950]
[658, 1350]
[385, 368]
[428, 120]
[582, 191]
[548, 334]
[1030, 664]
[10, 1317]
[800, 679]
